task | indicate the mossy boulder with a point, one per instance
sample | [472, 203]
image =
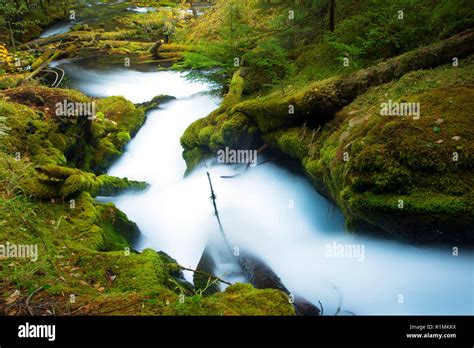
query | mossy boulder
[397, 173]
[224, 127]
[66, 182]
[238, 299]
[92, 144]
[155, 102]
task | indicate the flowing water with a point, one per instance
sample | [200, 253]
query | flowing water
[94, 13]
[60, 27]
[269, 211]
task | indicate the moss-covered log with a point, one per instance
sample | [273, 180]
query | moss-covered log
[318, 102]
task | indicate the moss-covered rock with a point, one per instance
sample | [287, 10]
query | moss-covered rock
[85, 263]
[397, 173]
[238, 299]
[155, 102]
[84, 253]
[224, 127]
[91, 144]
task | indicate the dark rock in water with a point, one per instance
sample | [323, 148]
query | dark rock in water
[155, 102]
[259, 274]
[304, 307]
[201, 281]
[262, 276]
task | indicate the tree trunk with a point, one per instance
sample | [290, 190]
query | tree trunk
[332, 7]
[12, 36]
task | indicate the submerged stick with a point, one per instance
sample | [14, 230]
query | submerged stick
[216, 213]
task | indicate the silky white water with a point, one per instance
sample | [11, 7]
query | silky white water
[269, 211]
[58, 28]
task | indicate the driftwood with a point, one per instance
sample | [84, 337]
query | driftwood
[205, 274]
[86, 36]
[216, 214]
[56, 38]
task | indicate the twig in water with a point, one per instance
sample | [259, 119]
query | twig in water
[340, 300]
[338, 311]
[204, 273]
[216, 213]
[322, 309]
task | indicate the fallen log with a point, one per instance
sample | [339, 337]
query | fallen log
[79, 36]
[70, 36]
[43, 65]
[318, 102]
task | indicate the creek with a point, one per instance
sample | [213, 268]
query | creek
[269, 210]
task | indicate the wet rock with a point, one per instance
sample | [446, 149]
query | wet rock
[155, 102]
[304, 307]
[261, 276]
[201, 279]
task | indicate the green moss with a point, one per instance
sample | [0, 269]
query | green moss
[238, 299]
[233, 132]
[47, 189]
[291, 141]
[122, 112]
[389, 157]
[190, 137]
[235, 91]
[205, 134]
[36, 132]
[193, 157]
[10, 81]
[155, 102]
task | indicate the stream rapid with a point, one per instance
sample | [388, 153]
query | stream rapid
[269, 211]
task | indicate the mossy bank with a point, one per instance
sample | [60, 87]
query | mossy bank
[51, 169]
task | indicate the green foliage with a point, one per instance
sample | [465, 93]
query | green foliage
[21, 20]
[388, 28]
[265, 66]
[227, 36]
[148, 26]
